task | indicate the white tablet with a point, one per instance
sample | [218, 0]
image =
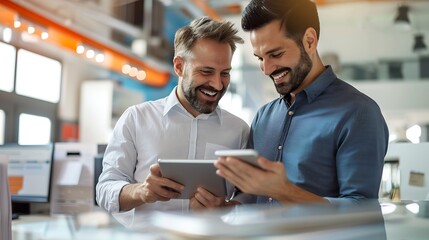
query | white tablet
[247, 155]
[193, 174]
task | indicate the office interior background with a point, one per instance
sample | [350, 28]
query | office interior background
[69, 68]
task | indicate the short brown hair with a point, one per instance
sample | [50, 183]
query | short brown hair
[206, 28]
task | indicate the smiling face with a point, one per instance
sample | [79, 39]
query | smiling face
[203, 76]
[282, 59]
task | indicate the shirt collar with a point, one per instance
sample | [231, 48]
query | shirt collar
[173, 101]
[320, 84]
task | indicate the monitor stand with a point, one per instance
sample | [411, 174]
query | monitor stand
[20, 208]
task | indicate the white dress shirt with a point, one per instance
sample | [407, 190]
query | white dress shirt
[163, 129]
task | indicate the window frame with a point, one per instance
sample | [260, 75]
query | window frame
[14, 104]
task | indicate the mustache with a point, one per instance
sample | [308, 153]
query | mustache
[208, 88]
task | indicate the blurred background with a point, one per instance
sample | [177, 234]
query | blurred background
[69, 68]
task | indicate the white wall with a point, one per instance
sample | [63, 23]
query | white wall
[403, 103]
[75, 71]
[413, 158]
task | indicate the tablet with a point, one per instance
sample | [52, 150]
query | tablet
[193, 174]
[247, 155]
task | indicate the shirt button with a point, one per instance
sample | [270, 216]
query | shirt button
[279, 147]
[290, 113]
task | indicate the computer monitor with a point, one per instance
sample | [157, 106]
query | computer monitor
[29, 173]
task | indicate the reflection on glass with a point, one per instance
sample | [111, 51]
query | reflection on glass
[33, 130]
[390, 182]
[41, 80]
[7, 63]
[412, 207]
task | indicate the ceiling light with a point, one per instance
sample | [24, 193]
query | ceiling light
[90, 53]
[80, 49]
[126, 69]
[419, 43]
[402, 16]
[7, 35]
[31, 29]
[44, 35]
[141, 75]
[99, 57]
[16, 22]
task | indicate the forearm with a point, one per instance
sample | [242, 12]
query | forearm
[129, 197]
[291, 193]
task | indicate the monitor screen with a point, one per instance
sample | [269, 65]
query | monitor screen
[29, 171]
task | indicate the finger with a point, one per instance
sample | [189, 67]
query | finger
[227, 168]
[148, 195]
[155, 170]
[243, 175]
[269, 165]
[164, 182]
[203, 197]
[194, 204]
[163, 190]
[207, 199]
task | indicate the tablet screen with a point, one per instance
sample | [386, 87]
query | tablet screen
[193, 174]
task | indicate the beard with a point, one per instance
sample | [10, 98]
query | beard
[191, 95]
[296, 74]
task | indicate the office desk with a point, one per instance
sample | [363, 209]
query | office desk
[42, 227]
[300, 222]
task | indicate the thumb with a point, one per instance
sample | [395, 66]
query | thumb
[154, 169]
[267, 165]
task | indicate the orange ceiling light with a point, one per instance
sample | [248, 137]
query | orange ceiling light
[69, 40]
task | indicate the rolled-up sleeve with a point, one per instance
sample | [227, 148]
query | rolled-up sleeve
[360, 156]
[119, 163]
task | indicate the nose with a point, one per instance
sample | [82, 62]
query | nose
[266, 66]
[218, 82]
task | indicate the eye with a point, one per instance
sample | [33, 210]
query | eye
[206, 72]
[225, 74]
[277, 55]
[259, 59]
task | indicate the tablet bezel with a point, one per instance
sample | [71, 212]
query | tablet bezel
[247, 155]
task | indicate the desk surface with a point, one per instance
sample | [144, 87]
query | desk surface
[400, 223]
[42, 227]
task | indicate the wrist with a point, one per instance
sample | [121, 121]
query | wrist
[231, 203]
[136, 192]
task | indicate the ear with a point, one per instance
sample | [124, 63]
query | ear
[178, 64]
[310, 40]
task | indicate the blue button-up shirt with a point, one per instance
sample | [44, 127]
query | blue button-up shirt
[332, 139]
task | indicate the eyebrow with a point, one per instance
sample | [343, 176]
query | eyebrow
[212, 68]
[270, 51]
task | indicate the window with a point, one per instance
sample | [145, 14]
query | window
[41, 80]
[7, 63]
[33, 130]
[28, 99]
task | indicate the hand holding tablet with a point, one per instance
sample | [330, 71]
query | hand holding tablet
[193, 174]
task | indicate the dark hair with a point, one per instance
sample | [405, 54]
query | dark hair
[222, 32]
[295, 16]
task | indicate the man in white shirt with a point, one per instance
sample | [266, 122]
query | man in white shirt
[188, 124]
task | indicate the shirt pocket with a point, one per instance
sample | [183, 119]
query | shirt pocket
[211, 148]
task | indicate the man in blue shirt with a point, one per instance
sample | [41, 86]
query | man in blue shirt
[325, 139]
